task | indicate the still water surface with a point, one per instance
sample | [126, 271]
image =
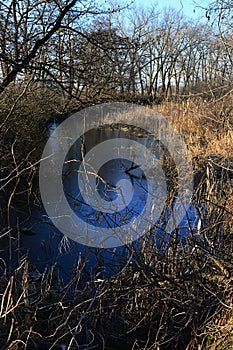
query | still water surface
[121, 185]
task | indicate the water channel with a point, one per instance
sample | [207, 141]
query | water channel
[121, 184]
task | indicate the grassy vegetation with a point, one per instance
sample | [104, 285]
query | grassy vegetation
[180, 298]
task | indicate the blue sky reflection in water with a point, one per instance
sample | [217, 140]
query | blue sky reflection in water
[46, 245]
[118, 180]
[108, 188]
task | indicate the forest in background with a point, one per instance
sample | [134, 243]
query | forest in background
[57, 57]
[91, 54]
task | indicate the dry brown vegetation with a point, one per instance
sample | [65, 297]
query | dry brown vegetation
[180, 298]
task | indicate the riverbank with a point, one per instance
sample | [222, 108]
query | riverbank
[176, 299]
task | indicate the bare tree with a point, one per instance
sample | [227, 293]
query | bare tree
[27, 30]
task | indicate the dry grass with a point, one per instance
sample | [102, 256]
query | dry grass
[207, 126]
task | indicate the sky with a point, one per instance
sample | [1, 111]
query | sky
[187, 6]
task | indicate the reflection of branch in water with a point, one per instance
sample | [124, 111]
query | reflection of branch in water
[133, 176]
[108, 187]
[110, 220]
[131, 168]
[85, 172]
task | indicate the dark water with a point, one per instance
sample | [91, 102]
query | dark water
[37, 237]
